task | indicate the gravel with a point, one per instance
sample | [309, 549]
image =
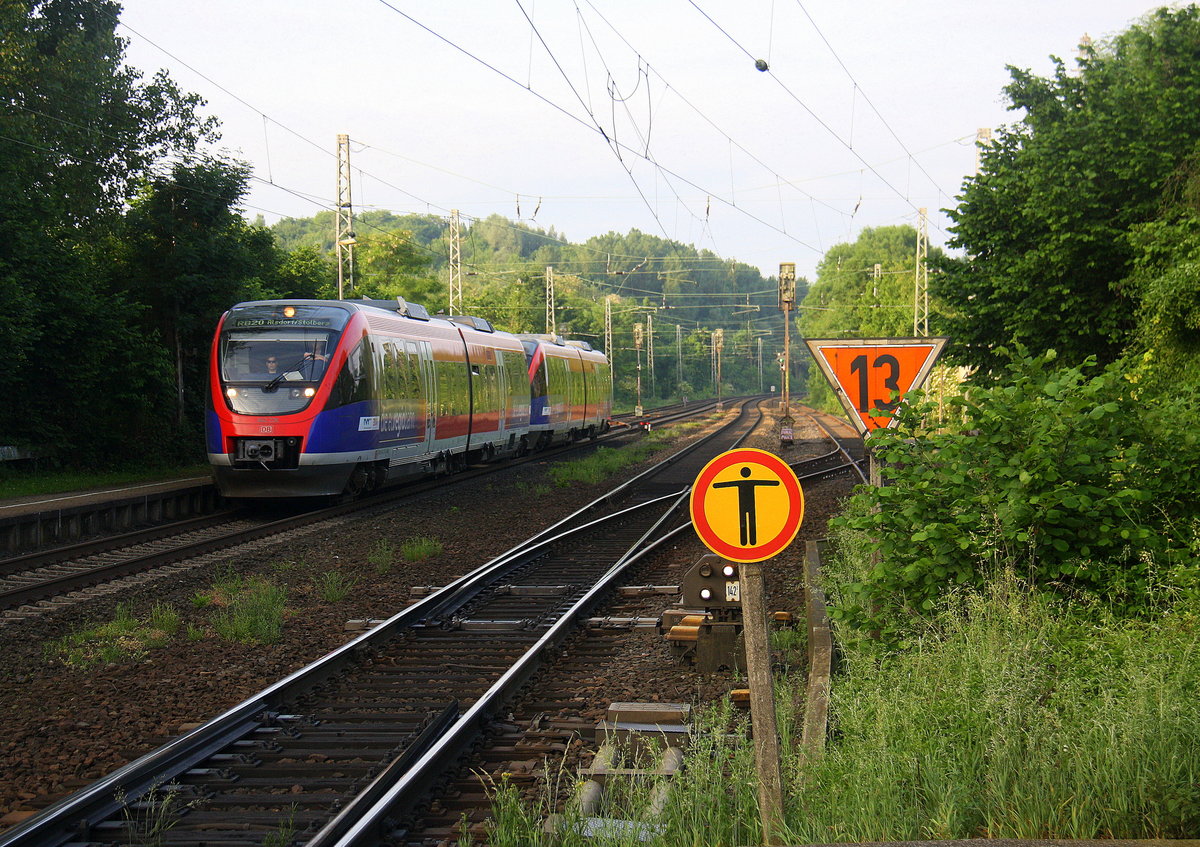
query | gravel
[65, 727]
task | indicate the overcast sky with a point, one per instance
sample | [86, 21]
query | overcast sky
[608, 115]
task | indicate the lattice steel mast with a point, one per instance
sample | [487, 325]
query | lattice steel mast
[343, 233]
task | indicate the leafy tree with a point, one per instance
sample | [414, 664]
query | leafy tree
[80, 130]
[1063, 477]
[1166, 279]
[1047, 223]
[392, 264]
[186, 255]
[849, 299]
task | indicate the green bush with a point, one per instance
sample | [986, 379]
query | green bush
[1075, 482]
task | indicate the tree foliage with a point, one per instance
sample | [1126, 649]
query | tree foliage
[1050, 224]
[852, 299]
[1063, 477]
[113, 265]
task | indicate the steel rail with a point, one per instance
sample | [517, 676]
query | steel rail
[105, 544]
[371, 827]
[839, 447]
[70, 817]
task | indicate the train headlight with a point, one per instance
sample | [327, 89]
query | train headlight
[705, 593]
[231, 393]
[728, 571]
[310, 392]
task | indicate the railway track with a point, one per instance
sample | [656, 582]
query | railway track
[542, 734]
[341, 752]
[44, 574]
[343, 741]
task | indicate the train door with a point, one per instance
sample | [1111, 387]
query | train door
[422, 353]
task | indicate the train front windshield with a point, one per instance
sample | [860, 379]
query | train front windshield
[274, 366]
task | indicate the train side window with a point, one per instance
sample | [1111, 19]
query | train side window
[353, 383]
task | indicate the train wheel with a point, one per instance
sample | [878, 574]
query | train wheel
[359, 481]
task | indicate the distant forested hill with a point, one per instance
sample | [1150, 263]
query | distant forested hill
[670, 306]
[696, 285]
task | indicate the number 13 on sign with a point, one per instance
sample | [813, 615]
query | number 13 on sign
[872, 375]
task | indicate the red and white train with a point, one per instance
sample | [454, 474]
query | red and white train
[316, 397]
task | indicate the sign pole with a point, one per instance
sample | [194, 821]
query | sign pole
[762, 701]
[747, 506]
[787, 299]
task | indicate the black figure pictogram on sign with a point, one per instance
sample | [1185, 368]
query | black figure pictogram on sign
[747, 519]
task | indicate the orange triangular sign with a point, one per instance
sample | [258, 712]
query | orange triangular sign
[872, 375]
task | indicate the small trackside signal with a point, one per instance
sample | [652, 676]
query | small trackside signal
[712, 583]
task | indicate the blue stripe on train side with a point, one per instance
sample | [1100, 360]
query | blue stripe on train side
[344, 429]
[212, 433]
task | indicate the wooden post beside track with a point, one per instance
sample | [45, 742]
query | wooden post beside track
[762, 701]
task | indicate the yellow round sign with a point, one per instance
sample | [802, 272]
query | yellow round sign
[747, 505]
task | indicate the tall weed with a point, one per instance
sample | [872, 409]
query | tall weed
[1013, 715]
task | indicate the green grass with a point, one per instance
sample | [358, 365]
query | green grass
[606, 461]
[419, 548]
[249, 611]
[125, 638]
[334, 586]
[712, 801]
[285, 832]
[382, 556]
[1016, 717]
[28, 483]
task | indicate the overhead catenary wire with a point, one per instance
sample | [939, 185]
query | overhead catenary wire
[611, 142]
[795, 97]
[591, 126]
[324, 149]
[644, 71]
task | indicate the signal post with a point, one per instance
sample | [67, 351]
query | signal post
[747, 507]
[787, 301]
